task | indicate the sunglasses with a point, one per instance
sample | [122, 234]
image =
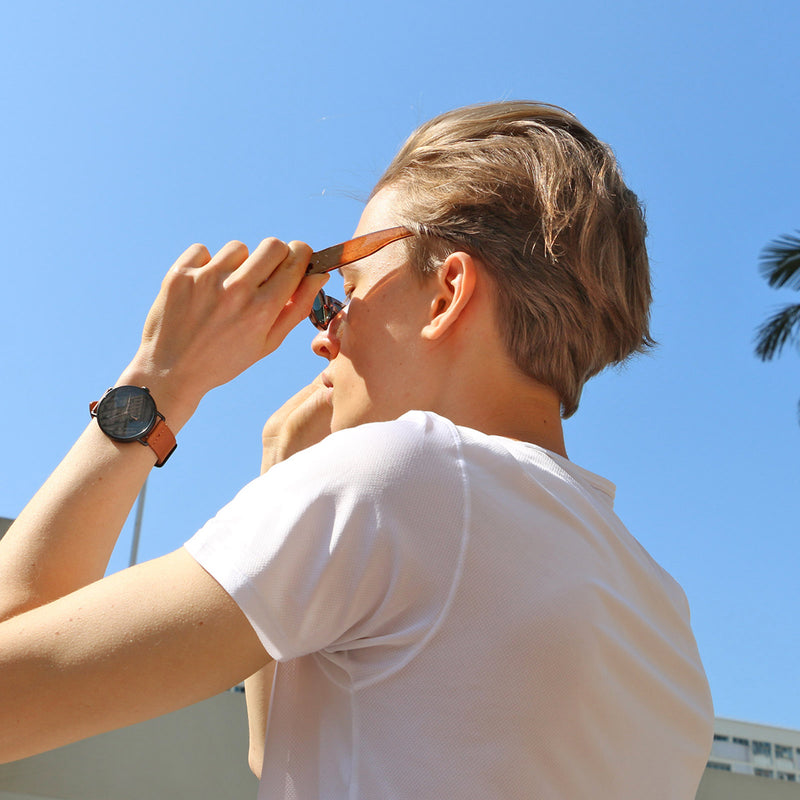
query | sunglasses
[325, 307]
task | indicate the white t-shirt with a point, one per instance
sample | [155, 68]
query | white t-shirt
[459, 616]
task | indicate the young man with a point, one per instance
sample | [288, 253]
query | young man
[454, 607]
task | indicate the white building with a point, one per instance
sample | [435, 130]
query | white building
[761, 750]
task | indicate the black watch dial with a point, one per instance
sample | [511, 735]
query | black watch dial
[126, 413]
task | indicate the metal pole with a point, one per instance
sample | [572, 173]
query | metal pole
[137, 525]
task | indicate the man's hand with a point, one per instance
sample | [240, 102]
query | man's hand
[216, 316]
[300, 422]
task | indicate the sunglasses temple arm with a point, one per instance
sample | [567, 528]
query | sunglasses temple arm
[345, 253]
[325, 260]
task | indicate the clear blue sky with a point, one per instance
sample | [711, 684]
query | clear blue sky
[130, 131]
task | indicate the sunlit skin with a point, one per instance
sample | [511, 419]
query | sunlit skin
[403, 344]
[374, 346]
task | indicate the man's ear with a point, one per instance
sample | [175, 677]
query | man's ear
[454, 285]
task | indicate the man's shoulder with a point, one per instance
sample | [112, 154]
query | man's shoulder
[415, 458]
[407, 431]
[400, 451]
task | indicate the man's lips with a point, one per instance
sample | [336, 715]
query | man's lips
[326, 380]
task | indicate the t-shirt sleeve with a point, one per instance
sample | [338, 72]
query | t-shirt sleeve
[356, 541]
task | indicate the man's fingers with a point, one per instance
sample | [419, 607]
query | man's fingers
[284, 276]
[237, 265]
[298, 305]
[225, 260]
[299, 256]
[192, 257]
[230, 257]
[260, 264]
[283, 290]
[296, 309]
[265, 290]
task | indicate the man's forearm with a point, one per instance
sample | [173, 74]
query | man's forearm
[64, 537]
[257, 694]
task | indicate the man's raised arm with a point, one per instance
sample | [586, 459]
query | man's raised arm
[64, 636]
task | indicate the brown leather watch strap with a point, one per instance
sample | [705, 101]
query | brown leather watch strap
[161, 440]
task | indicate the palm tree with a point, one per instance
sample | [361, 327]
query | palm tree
[780, 266]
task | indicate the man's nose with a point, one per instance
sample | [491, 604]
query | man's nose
[326, 343]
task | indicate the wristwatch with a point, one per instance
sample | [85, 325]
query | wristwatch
[129, 414]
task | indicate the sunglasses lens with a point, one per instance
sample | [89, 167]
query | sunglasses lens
[325, 308]
[317, 315]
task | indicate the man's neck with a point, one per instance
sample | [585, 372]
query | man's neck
[528, 421]
[501, 401]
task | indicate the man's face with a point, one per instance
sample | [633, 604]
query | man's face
[377, 357]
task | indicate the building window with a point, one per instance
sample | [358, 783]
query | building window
[762, 749]
[763, 773]
[781, 751]
[731, 751]
[787, 776]
[717, 765]
[718, 737]
[737, 740]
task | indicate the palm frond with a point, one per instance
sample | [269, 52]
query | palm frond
[780, 329]
[780, 262]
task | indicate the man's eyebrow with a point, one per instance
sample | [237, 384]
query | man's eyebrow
[349, 269]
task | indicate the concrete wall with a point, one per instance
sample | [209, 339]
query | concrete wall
[719, 785]
[199, 752]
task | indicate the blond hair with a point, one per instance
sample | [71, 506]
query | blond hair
[532, 193]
